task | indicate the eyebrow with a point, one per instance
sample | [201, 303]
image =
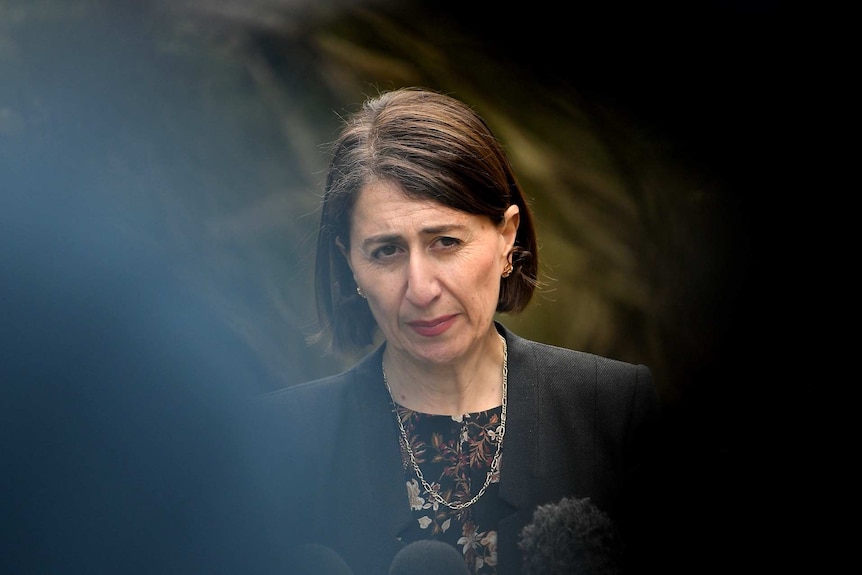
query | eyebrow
[388, 238]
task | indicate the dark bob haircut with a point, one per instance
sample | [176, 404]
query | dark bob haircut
[433, 147]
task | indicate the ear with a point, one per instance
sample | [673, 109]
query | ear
[344, 251]
[509, 227]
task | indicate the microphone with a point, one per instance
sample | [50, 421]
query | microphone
[572, 537]
[316, 559]
[428, 557]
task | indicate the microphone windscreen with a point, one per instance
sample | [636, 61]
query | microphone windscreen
[428, 557]
[316, 559]
[571, 537]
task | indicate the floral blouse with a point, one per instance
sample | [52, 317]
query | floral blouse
[454, 455]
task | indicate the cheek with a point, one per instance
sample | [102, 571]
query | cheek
[479, 279]
[384, 294]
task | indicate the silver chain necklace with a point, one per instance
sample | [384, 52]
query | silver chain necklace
[501, 431]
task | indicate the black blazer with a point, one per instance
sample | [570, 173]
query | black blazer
[577, 425]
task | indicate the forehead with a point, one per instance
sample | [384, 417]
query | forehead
[384, 207]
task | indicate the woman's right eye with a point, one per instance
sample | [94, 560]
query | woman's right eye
[385, 252]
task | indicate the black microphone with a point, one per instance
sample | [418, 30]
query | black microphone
[316, 559]
[428, 557]
[572, 537]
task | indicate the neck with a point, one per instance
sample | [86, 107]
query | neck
[468, 386]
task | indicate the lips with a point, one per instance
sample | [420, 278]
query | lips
[433, 327]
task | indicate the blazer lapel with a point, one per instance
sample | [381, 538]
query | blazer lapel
[519, 450]
[383, 472]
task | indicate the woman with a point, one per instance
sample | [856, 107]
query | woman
[453, 427]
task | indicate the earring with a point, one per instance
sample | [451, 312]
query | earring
[360, 292]
[507, 271]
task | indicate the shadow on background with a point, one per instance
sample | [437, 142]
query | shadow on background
[161, 167]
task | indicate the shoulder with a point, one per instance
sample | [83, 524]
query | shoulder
[562, 371]
[326, 391]
[325, 386]
[322, 408]
[545, 357]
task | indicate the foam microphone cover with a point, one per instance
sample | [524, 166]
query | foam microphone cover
[571, 537]
[428, 557]
[316, 559]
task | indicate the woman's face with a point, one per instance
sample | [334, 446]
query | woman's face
[431, 273]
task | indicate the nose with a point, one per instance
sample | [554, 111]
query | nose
[423, 286]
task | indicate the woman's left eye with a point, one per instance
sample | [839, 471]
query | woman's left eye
[448, 242]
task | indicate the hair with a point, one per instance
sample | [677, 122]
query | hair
[433, 147]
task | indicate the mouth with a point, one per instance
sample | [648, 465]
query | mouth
[432, 327]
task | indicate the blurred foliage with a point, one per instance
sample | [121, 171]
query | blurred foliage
[201, 126]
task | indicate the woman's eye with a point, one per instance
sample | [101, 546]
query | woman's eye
[385, 252]
[447, 242]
